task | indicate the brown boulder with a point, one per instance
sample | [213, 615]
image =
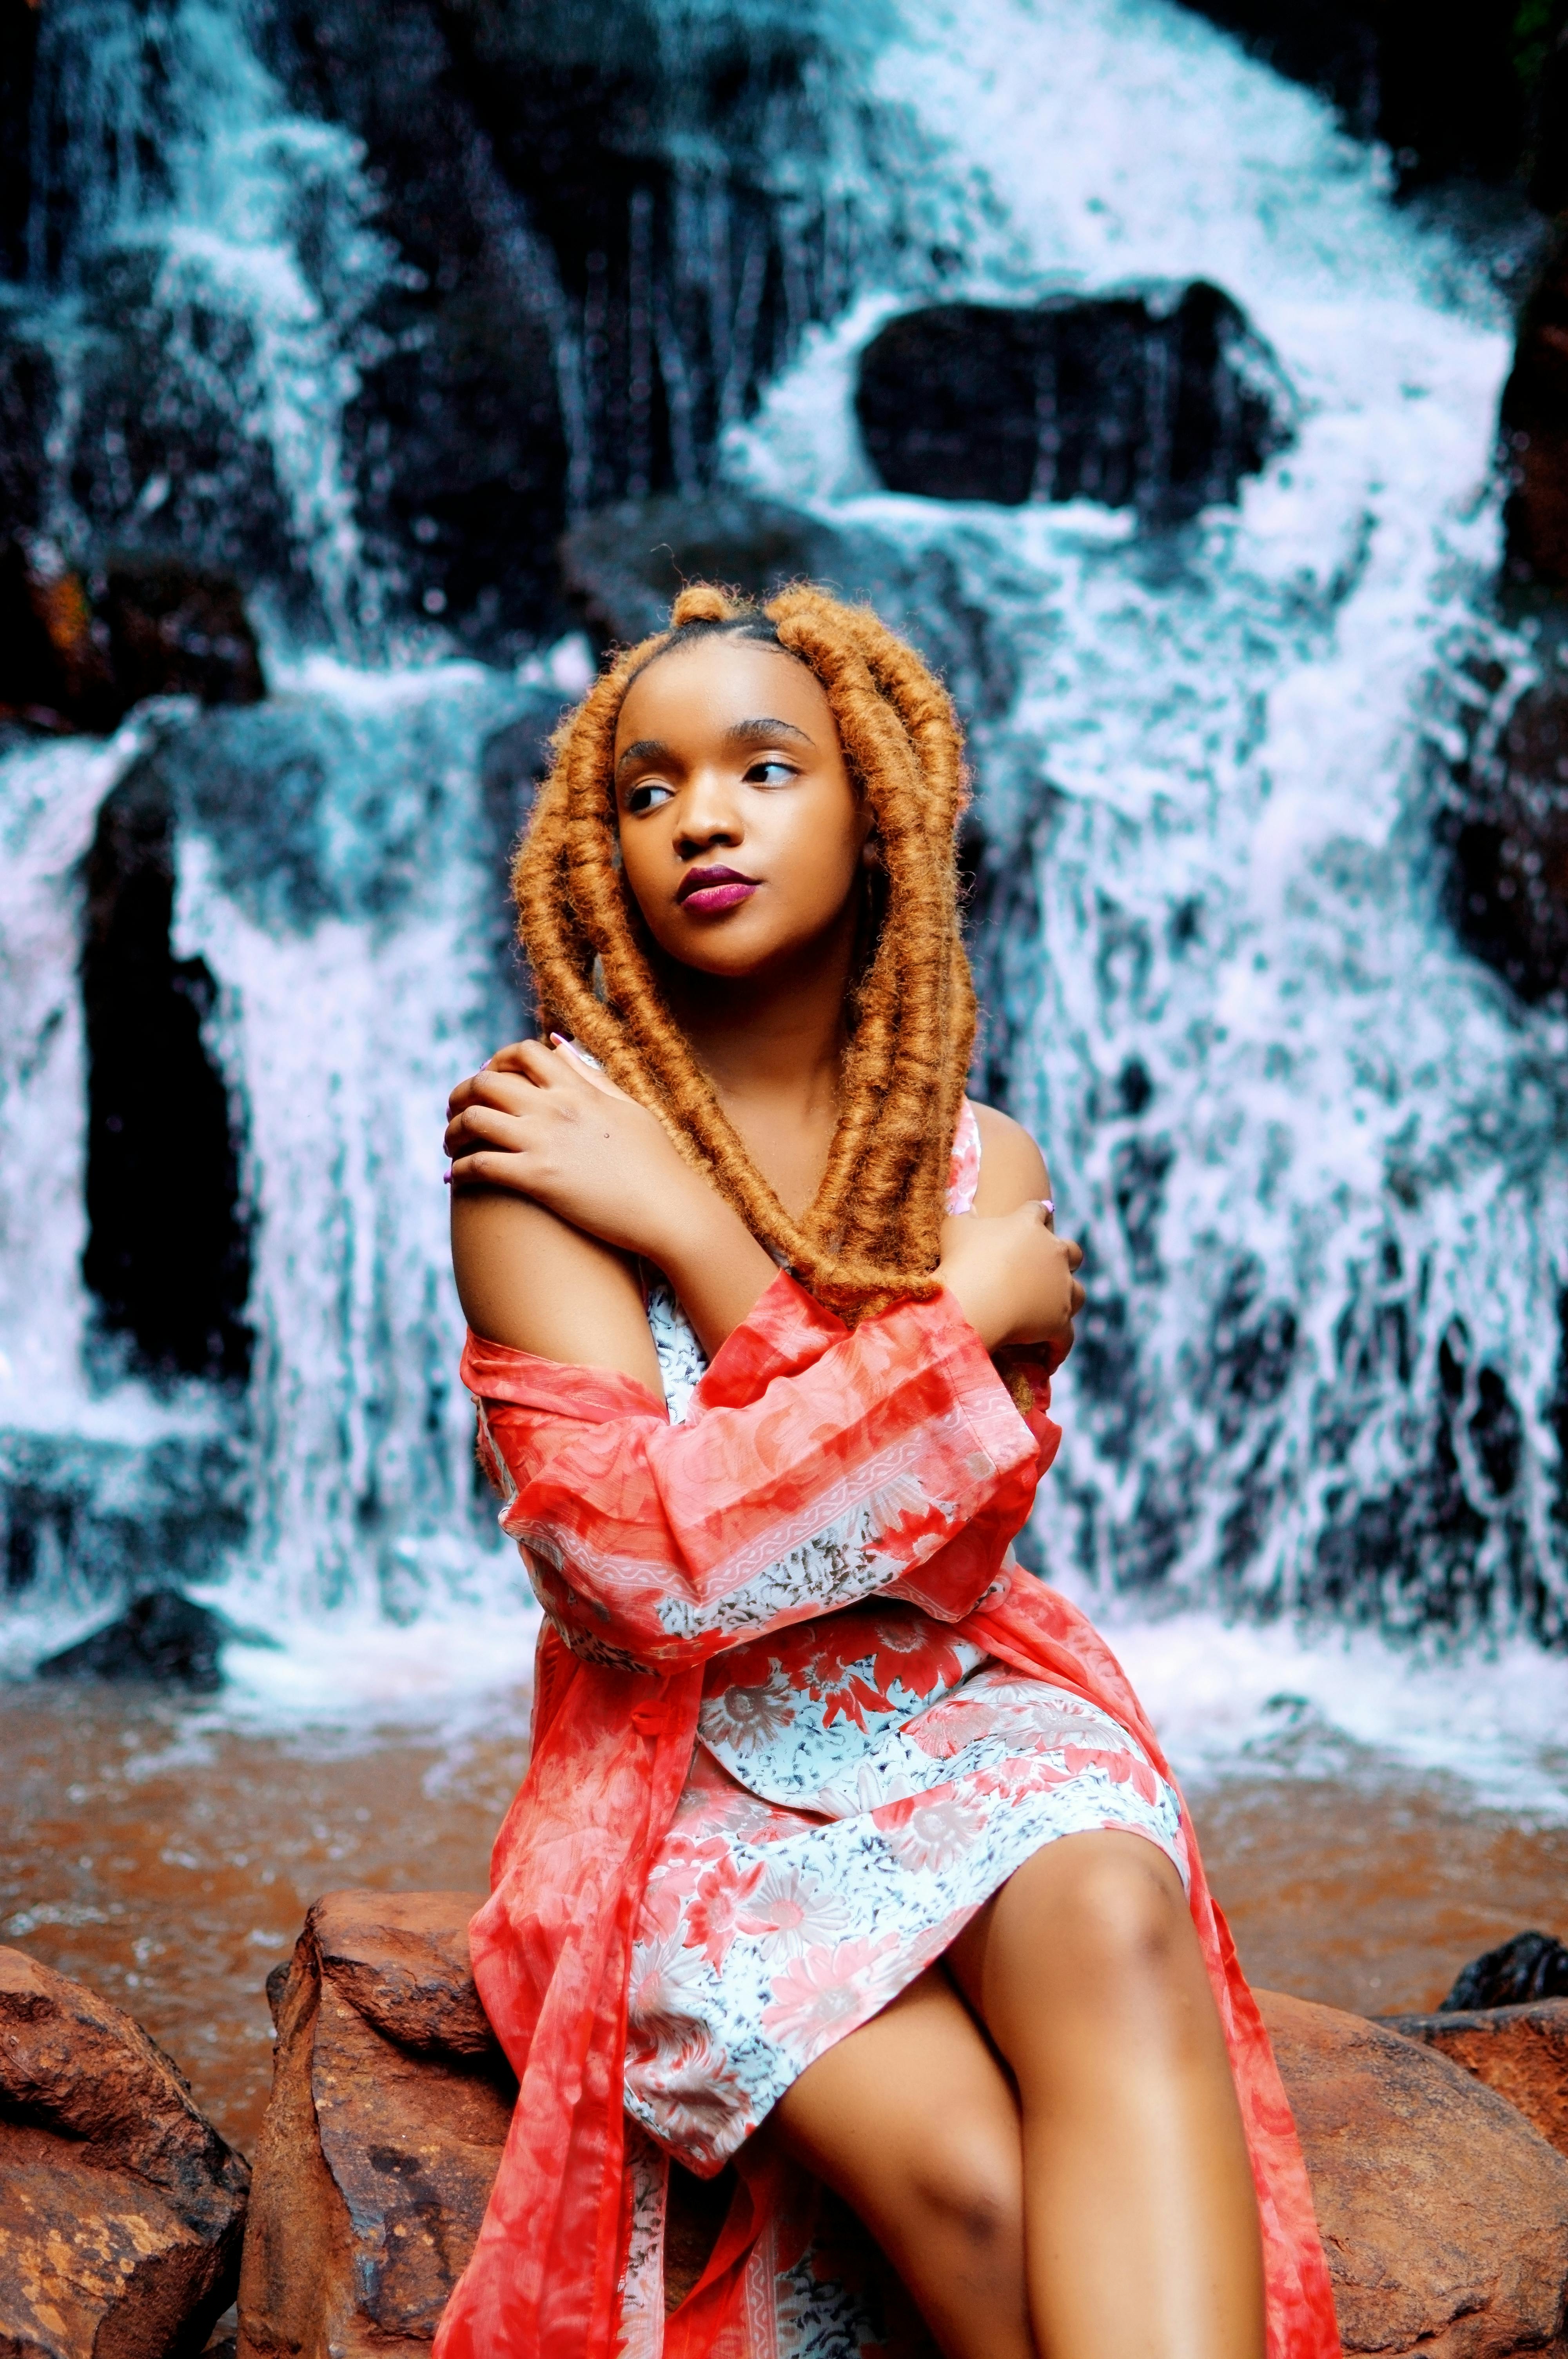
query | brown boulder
[121, 2208]
[1445, 2215]
[389, 2109]
[1519, 2051]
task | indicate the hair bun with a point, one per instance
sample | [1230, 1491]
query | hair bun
[705, 601]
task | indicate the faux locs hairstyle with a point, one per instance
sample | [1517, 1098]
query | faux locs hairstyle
[872, 1234]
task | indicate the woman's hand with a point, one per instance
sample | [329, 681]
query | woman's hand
[545, 1123]
[1012, 1278]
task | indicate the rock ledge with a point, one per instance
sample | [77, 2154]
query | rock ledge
[121, 2208]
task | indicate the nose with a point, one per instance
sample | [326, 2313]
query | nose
[708, 815]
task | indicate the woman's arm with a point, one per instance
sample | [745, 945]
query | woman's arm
[561, 1178]
[527, 1278]
[1015, 1276]
[824, 1464]
[1012, 1170]
[558, 1181]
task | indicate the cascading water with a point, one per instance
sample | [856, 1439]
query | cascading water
[1316, 1149]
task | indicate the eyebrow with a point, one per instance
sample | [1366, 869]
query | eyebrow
[765, 730]
[644, 749]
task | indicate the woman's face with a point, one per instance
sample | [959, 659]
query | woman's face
[740, 834]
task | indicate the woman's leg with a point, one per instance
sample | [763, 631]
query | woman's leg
[1140, 2221]
[911, 2121]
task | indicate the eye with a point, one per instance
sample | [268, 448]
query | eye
[773, 770]
[647, 795]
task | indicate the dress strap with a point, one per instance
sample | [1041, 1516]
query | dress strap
[964, 1172]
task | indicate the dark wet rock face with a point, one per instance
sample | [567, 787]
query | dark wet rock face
[1424, 1551]
[106, 1518]
[1454, 88]
[1535, 428]
[624, 565]
[1530, 1966]
[19, 50]
[454, 442]
[162, 1638]
[168, 1249]
[121, 2208]
[157, 459]
[77, 652]
[1117, 400]
[54, 665]
[1504, 831]
[573, 255]
[174, 632]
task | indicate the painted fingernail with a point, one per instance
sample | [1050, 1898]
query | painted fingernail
[445, 1178]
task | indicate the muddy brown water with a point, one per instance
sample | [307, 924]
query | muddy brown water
[168, 1862]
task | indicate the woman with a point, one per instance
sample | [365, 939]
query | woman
[846, 1854]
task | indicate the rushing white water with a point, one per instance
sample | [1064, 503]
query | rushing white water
[1319, 1154]
[251, 225]
[1304, 1133]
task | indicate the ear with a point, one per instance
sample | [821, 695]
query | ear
[872, 851]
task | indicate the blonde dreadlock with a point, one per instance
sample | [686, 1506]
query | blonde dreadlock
[871, 1234]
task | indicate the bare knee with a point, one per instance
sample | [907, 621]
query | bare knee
[950, 2219]
[965, 2191]
[1124, 1924]
[1092, 1936]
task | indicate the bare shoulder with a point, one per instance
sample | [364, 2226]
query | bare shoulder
[1012, 1170]
[527, 1278]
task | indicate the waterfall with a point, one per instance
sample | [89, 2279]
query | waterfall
[1316, 1150]
[1219, 691]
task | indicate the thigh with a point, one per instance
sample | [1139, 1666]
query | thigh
[912, 2121]
[875, 2111]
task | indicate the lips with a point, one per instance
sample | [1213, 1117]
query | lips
[707, 891]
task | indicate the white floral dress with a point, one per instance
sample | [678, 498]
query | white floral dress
[861, 1784]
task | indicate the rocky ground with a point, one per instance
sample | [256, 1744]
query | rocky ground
[121, 2208]
[1437, 2145]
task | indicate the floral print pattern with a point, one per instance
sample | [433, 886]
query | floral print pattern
[769, 1931]
[864, 1781]
[682, 1361]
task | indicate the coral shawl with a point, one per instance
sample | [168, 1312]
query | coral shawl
[652, 1547]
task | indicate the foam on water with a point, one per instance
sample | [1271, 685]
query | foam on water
[1281, 1701]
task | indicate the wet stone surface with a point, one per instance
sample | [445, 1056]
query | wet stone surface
[1163, 409]
[121, 2208]
[168, 1862]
